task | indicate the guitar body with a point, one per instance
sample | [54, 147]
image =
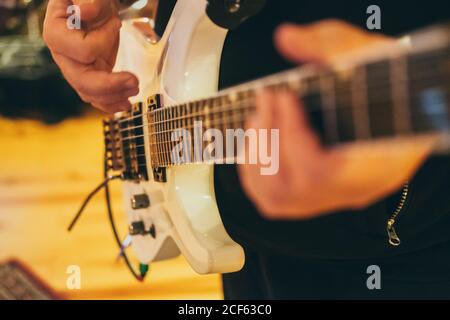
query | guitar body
[183, 65]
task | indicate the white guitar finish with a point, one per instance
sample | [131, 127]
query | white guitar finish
[183, 65]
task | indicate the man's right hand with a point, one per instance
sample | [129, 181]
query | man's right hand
[87, 56]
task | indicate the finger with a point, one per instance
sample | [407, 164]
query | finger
[90, 10]
[57, 8]
[94, 10]
[259, 120]
[263, 117]
[111, 59]
[262, 192]
[294, 120]
[114, 98]
[295, 130]
[81, 46]
[92, 82]
[321, 42]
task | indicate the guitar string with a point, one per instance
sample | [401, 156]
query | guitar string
[232, 122]
[169, 142]
[241, 107]
[193, 150]
[275, 80]
[218, 110]
[170, 121]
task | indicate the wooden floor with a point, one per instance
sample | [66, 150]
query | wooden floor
[45, 171]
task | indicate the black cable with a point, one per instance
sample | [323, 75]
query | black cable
[140, 277]
[88, 199]
[143, 268]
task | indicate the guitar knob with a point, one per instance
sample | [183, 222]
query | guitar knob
[140, 201]
[138, 229]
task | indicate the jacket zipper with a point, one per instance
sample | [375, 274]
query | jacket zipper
[394, 240]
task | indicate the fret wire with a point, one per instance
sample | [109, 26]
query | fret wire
[400, 95]
[157, 160]
[151, 118]
[360, 103]
[208, 115]
[328, 103]
[169, 135]
[168, 132]
[161, 114]
[164, 129]
[193, 151]
[158, 128]
[158, 154]
[172, 125]
[161, 126]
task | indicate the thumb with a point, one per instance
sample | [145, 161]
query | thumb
[293, 42]
[323, 42]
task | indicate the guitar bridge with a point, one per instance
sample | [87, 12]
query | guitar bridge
[124, 143]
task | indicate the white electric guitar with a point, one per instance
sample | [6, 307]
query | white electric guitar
[171, 206]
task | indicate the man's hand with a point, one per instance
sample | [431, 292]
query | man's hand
[87, 56]
[313, 180]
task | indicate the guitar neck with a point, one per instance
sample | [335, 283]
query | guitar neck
[399, 92]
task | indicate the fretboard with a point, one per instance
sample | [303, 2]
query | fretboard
[400, 94]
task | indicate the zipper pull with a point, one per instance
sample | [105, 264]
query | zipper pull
[394, 240]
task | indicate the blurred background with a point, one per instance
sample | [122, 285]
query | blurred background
[51, 149]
